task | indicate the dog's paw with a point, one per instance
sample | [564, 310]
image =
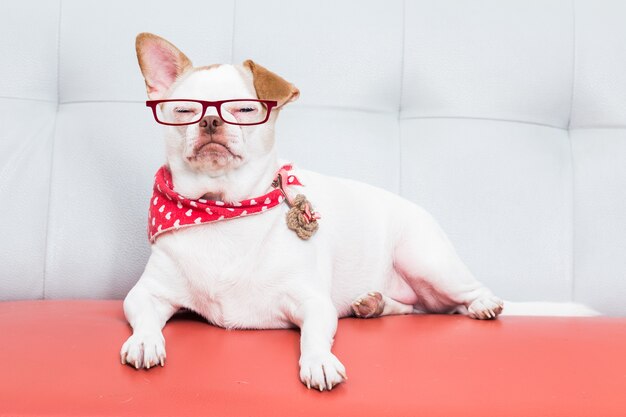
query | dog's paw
[321, 371]
[370, 305]
[144, 351]
[485, 308]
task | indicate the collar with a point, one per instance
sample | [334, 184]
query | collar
[172, 211]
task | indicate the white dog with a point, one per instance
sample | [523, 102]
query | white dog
[223, 247]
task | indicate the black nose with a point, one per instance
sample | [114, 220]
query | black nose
[211, 123]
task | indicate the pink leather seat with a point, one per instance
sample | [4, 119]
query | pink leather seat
[62, 358]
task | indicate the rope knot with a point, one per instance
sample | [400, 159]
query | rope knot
[301, 218]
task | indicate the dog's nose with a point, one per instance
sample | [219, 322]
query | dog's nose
[211, 123]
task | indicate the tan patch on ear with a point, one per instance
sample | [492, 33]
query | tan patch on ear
[270, 86]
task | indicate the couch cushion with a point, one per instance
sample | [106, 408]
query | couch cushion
[62, 358]
[505, 120]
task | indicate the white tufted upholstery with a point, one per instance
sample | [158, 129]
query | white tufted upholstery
[505, 119]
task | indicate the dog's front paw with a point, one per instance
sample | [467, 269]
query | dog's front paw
[321, 371]
[144, 351]
[485, 308]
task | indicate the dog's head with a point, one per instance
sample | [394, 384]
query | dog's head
[210, 146]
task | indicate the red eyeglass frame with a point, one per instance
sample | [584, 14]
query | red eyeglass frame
[269, 104]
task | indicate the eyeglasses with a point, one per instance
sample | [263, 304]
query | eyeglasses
[242, 112]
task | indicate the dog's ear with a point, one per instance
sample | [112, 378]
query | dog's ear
[270, 86]
[160, 62]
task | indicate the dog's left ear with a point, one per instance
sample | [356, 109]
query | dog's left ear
[270, 86]
[161, 63]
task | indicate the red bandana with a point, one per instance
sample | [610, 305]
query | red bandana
[170, 210]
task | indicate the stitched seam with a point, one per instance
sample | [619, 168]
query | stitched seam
[366, 110]
[572, 214]
[571, 149]
[232, 39]
[100, 101]
[313, 106]
[487, 118]
[614, 127]
[300, 106]
[571, 103]
[324, 107]
[401, 97]
[28, 99]
[54, 135]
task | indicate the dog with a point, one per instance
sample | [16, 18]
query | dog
[280, 246]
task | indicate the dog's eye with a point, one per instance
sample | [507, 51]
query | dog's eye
[247, 109]
[182, 110]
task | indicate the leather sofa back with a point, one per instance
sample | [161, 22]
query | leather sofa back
[505, 119]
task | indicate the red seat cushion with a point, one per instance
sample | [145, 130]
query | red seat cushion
[62, 358]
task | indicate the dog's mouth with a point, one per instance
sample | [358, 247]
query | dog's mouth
[211, 149]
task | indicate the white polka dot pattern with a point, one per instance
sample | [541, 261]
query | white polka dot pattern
[170, 211]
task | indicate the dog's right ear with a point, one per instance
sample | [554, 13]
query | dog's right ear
[160, 62]
[270, 86]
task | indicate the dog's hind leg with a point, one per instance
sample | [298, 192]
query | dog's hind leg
[374, 304]
[427, 261]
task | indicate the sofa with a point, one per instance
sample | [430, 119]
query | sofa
[504, 119]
